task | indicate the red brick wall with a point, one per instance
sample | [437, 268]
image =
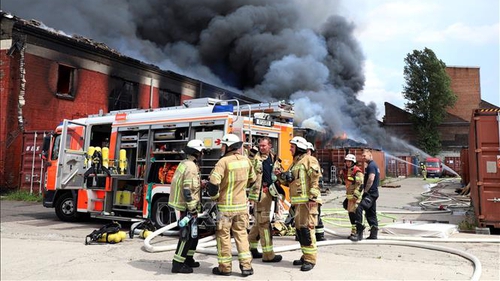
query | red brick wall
[10, 134]
[465, 83]
[91, 92]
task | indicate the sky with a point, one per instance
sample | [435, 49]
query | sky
[337, 60]
[460, 32]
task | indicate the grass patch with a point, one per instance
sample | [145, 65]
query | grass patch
[22, 196]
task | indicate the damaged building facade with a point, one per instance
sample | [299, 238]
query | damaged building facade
[47, 77]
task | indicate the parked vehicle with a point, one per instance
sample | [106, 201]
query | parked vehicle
[434, 167]
[119, 165]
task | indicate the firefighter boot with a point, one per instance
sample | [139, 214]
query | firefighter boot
[298, 262]
[306, 266]
[191, 262]
[178, 267]
[373, 233]
[359, 232]
[353, 232]
[256, 254]
[246, 272]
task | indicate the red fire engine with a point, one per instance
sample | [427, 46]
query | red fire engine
[119, 165]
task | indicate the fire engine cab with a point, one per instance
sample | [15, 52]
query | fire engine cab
[119, 165]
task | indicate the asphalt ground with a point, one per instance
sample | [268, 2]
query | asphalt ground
[35, 245]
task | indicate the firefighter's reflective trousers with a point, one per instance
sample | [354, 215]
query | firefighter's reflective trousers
[262, 227]
[305, 220]
[237, 224]
[186, 246]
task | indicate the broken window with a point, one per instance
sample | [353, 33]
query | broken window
[168, 98]
[65, 77]
[123, 95]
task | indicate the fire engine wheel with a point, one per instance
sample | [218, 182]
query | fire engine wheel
[162, 214]
[66, 208]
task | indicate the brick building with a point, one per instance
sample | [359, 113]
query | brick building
[47, 77]
[465, 83]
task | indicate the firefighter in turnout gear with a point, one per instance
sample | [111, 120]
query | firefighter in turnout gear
[264, 163]
[320, 227]
[185, 196]
[369, 198]
[303, 180]
[228, 184]
[423, 167]
[353, 179]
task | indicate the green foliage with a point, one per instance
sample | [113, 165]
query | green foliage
[22, 196]
[428, 93]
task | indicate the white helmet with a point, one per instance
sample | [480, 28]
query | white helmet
[350, 157]
[232, 141]
[196, 144]
[300, 142]
[310, 146]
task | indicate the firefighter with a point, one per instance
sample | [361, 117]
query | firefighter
[229, 180]
[353, 179]
[185, 196]
[423, 167]
[264, 195]
[320, 227]
[368, 202]
[303, 180]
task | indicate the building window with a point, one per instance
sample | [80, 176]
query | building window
[65, 78]
[123, 95]
[168, 98]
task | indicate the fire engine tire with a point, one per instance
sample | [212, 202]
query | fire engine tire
[162, 214]
[66, 208]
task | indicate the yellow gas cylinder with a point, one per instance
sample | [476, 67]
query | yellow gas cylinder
[123, 161]
[90, 152]
[122, 234]
[105, 157]
[145, 233]
[113, 238]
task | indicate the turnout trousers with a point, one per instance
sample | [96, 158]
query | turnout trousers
[262, 230]
[237, 224]
[305, 220]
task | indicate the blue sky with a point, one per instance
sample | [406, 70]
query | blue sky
[460, 32]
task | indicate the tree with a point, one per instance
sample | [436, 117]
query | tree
[429, 94]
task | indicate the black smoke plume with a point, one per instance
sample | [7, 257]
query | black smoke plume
[267, 49]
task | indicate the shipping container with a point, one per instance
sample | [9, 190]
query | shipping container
[32, 173]
[332, 161]
[484, 166]
[452, 166]
[464, 166]
[399, 166]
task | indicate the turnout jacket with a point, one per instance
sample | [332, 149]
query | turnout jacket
[255, 192]
[305, 180]
[185, 187]
[233, 173]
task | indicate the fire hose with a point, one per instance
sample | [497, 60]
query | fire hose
[205, 243]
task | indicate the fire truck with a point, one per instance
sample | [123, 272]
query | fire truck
[119, 165]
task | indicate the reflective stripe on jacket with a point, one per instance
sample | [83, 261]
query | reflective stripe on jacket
[186, 177]
[233, 173]
[305, 186]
